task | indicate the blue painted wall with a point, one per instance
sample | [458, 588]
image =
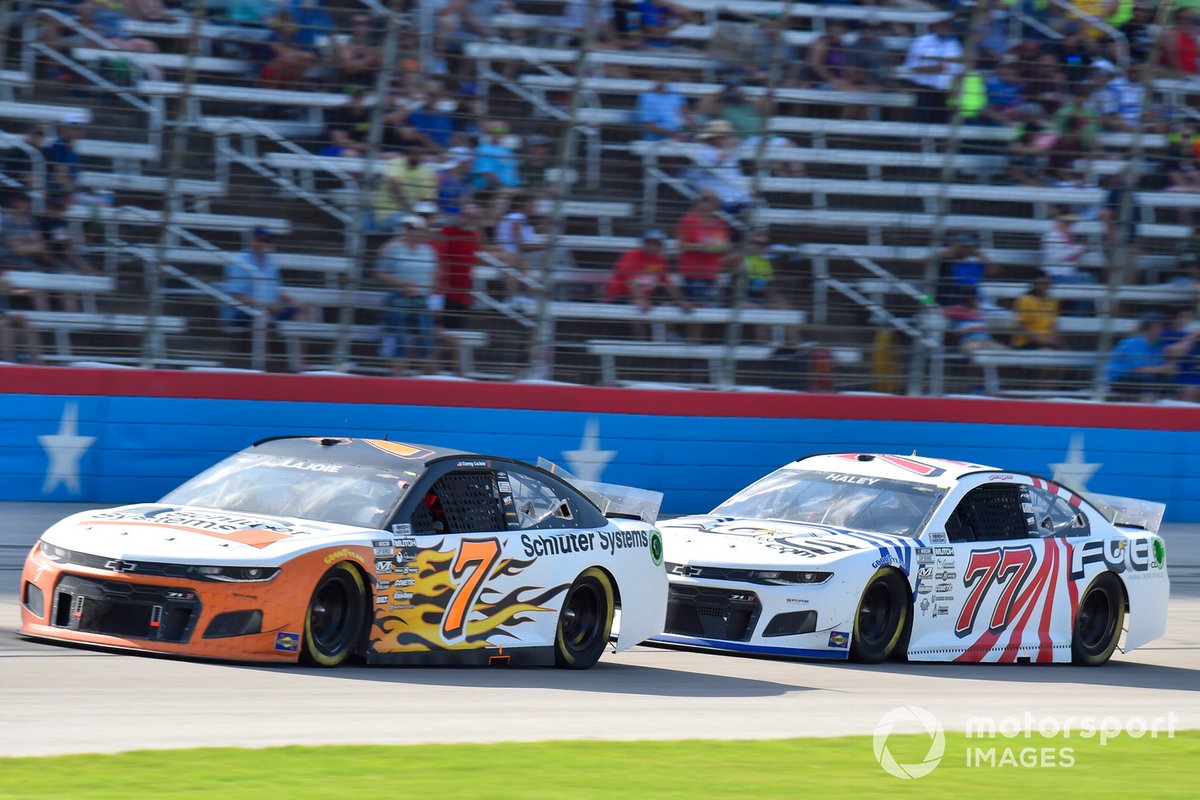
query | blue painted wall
[124, 449]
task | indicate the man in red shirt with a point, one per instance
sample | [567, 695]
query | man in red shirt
[458, 252]
[637, 276]
[704, 245]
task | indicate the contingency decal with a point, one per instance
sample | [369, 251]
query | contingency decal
[444, 600]
[232, 526]
[400, 450]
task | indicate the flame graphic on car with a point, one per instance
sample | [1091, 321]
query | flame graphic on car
[417, 627]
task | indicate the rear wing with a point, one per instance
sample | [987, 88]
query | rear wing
[612, 499]
[1127, 511]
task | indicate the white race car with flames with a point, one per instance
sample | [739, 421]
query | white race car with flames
[868, 557]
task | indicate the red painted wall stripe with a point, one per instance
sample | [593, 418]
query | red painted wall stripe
[353, 389]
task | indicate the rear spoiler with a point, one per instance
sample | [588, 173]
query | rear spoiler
[1130, 512]
[612, 499]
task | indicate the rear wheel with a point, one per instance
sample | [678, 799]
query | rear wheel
[585, 621]
[881, 619]
[335, 616]
[1098, 621]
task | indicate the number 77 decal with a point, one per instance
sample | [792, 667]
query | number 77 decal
[1009, 566]
[472, 564]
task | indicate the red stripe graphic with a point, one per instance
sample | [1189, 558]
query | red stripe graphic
[1046, 650]
[983, 645]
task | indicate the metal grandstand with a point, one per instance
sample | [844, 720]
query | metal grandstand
[890, 179]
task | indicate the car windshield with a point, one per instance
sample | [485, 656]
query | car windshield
[326, 491]
[835, 498]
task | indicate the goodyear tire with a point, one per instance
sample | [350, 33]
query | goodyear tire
[881, 618]
[335, 616]
[1098, 621]
[585, 621]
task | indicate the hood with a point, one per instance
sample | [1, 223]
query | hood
[759, 543]
[188, 535]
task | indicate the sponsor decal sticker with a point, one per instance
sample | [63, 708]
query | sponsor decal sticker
[381, 600]
[402, 529]
[943, 552]
[383, 566]
[342, 555]
[381, 543]
[925, 606]
[947, 575]
[656, 548]
[938, 537]
[839, 639]
[287, 642]
[924, 573]
[885, 561]
[925, 588]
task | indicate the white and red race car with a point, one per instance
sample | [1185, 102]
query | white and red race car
[869, 556]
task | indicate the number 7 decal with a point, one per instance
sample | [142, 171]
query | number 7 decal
[474, 560]
[1009, 566]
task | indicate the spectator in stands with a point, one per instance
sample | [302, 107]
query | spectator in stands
[1005, 95]
[641, 276]
[23, 245]
[657, 19]
[517, 241]
[1181, 344]
[1138, 367]
[828, 59]
[870, 60]
[1120, 186]
[407, 267]
[534, 171]
[578, 13]
[1062, 252]
[962, 266]
[663, 113]
[407, 180]
[1120, 98]
[1036, 313]
[1139, 31]
[459, 22]
[1178, 47]
[458, 253]
[347, 127]
[1046, 83]
[1073, 144]
[731, 104]
[61, 252]
[755, 265]
[355, 56]
[455, 188]
[495, 167]
[430, 114]
[13, 324]
[293, 51]
[704, 246]
[107, 18]
[1025, 157]
[718, 167]
[968, 323]
[252, 279]
[19, 162]
[1075, 53]
[931, 65]
[62, 160]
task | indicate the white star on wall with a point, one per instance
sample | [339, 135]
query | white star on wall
[64, 450]
[588, 462]
[1074, 471]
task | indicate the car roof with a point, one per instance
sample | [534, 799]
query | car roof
[913, 468]
[380, 453]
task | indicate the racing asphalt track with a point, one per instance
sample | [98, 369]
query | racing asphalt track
[58, 699]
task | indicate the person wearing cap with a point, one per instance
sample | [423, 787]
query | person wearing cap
[718, 166]
[406, 181]
[516, 243]
[252, 279]
[62, 160]
[1138, 365]
[704, 245]
[18, 161]
[407, 266]
[638, 276]
[430, 114]
[1061, 251]
[495, 165]
[455, 187]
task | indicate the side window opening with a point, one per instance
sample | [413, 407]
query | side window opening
[988, 513]
[460, 502]
[1054, 516]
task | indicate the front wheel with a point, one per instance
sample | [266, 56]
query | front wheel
[882, 615]
[335, 616]
[585, 621]
[1098, 621]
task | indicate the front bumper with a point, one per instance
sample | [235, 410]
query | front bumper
[198, 619]
[799, 621]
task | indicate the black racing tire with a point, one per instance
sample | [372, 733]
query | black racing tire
[881, 618]
[585, 622]
[1098, 621]
[334, 619]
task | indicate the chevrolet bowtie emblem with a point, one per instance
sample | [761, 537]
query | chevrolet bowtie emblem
[117, 565]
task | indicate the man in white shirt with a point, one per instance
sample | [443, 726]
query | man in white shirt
[406, 266]
[932, 63]
[1061, 252]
